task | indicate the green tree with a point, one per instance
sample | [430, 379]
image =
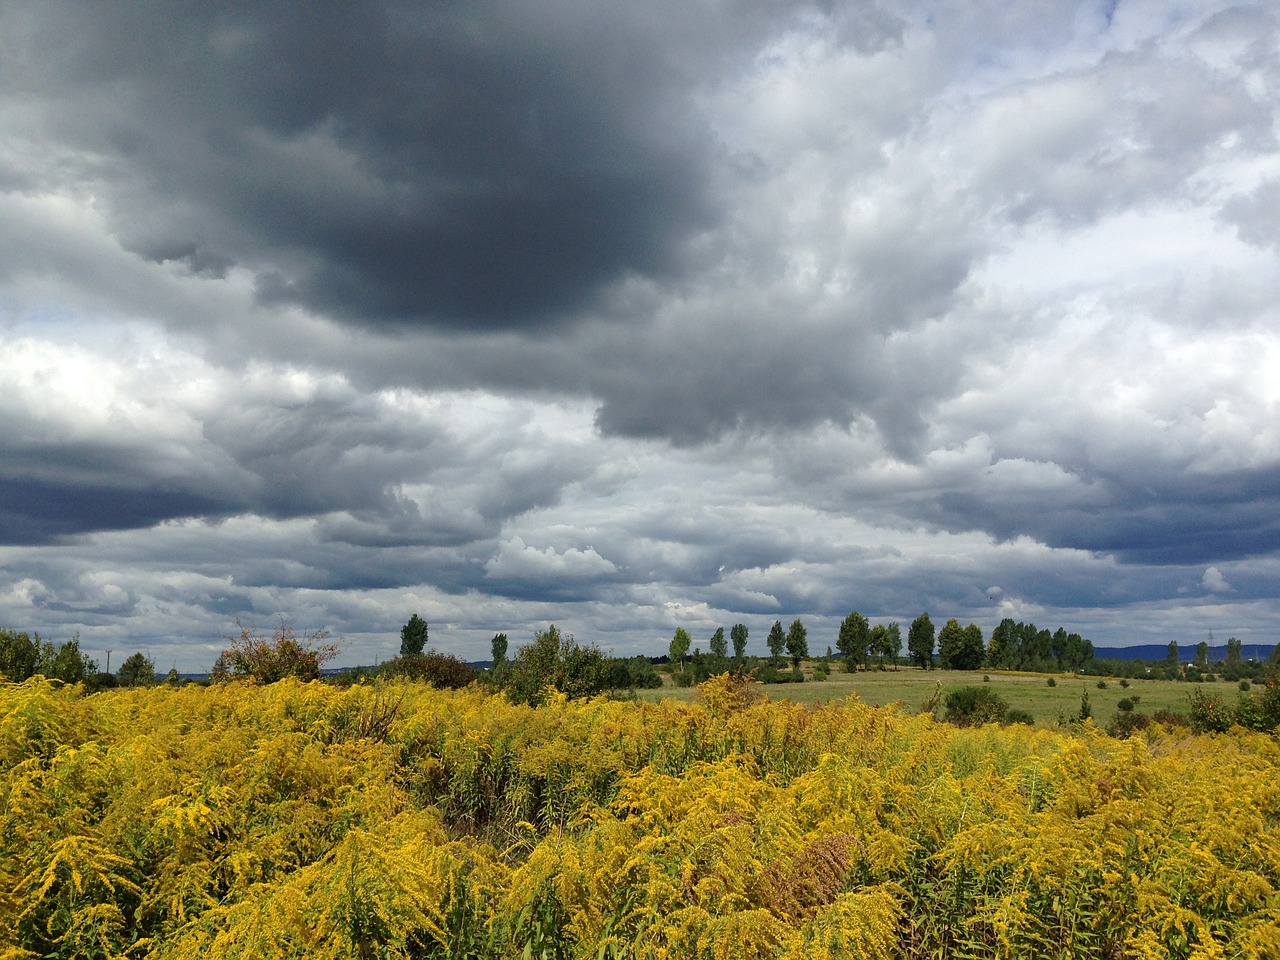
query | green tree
[557, 662]
[680, 642]
[1202, 655]
[960, 648]
[719, 645]
[738, 634]
[19, 655]
[1004, 649]
[886, 642]
[776, 641]
[1171, 658]
[854, 638]
[413, 637]
[797, 642]
[1234, 658]
[498, 649]
[70, 665]
[920, 640]
[137, 671]
[973, 648]
[893, 643]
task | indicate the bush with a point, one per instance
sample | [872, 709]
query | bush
[1019, 716]
[771, 674]
[1124, 725]
[1125, 705]
[1102, 684]
[266, 661]
[441, 670]
[558, 662]
[1244, 686]
[1248, 713]
[639, 673]
[985, 678]
[1270, 701]
[974, 706]
[1051, 682]
[1125, 683]
[1209, 714]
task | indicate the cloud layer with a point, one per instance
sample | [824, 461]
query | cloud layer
[636, 317]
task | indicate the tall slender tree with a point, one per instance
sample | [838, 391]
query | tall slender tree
[413, 637]
[738, 634]
[680, 642]
[498, 649]
[920, 640]
[776, 641]
[854, 638]
[797, 642]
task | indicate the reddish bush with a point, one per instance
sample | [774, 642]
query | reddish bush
[266, 661]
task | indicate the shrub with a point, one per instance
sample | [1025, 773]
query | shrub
[639, 673]
[558, 662]
[974, 706]
[1125, 705]
[1170, 718]
[1124, 682]
[1124, 725]
[1019, 716]
[1270, 701]
[1086, 711]
[985, 678]
[1051, 682]
[771, 674]
[1244, 686]
[266, 661]
[1208, 714]
[441, 670]
[1248, 713]
[1102, 684]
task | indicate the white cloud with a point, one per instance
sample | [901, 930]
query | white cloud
[1214, 581]
[516, 560]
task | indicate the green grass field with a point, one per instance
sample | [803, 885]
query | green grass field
[1029, 692]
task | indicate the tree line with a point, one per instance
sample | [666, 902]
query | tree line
[24, 655]
[1012, 645]
[558, 660]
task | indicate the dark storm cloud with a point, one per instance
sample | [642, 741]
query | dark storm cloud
[641, 315]
[476, 165]
[1230, 517]
[45, 511]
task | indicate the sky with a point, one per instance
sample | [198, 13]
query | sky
[634, 316]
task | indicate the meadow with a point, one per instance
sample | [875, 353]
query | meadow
[394, 820]
[911, 687]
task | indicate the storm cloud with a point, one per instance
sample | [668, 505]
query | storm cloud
[634, 317]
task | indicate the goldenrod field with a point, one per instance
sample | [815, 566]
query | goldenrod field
[305, 820]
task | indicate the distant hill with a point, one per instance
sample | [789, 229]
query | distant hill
[1186, 653]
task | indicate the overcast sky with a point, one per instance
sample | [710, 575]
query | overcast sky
[629, 316]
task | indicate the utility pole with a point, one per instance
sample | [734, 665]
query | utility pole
[108, 661]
